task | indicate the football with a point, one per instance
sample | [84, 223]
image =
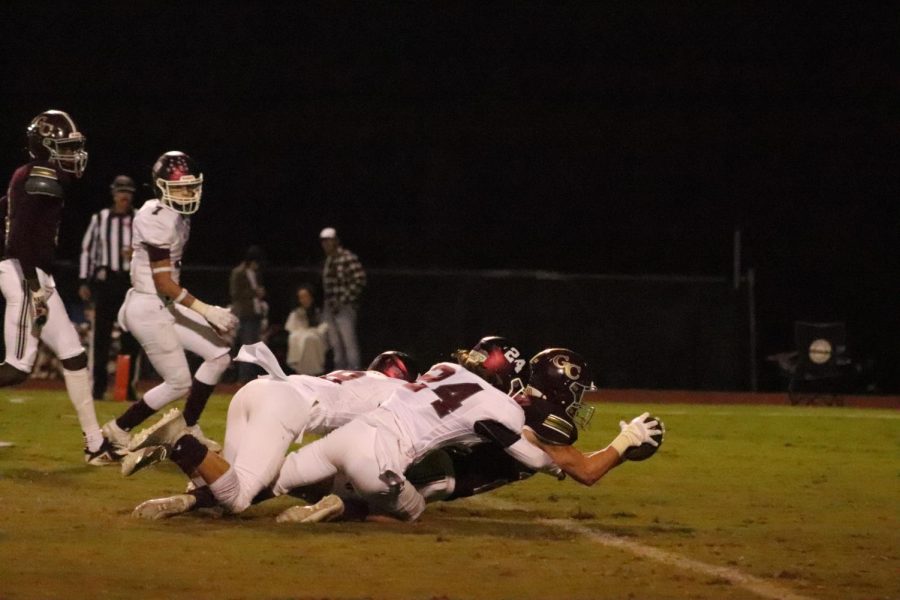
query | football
[646, 450]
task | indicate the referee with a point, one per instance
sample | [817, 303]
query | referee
[104, 275]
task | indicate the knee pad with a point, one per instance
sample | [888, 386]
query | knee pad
[75, 363]
[210, 372]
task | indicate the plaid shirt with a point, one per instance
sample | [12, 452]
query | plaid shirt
[343, 279]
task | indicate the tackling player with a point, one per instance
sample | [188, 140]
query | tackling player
[552, 402]
[264, 418]
[34, 311]
[451, 404]
[161, 314]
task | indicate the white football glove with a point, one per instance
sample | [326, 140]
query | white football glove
[635, 433]
[222, 319]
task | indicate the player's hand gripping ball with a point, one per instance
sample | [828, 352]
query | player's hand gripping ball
[647, 449]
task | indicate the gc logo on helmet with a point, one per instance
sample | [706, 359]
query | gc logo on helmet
[561, 376]
[53, 136]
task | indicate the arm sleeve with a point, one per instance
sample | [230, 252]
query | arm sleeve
[155, 253]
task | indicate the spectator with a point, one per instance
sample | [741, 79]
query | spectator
[248, 304]
[307, 344]
[104, 273]
[343, 280]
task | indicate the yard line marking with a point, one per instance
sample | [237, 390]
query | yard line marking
[751, 583]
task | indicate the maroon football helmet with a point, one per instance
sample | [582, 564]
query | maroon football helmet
[178, 182]
[53, 136]
[561, 376]
[395, 364]
[496, 360]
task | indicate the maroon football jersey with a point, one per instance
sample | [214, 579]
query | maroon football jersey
[35, 200]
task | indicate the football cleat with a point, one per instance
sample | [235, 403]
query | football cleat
[163, 508]
[212, 445]
[104, 455]
[328, 508]
[143, 458]
[117, 436]
[164, 432]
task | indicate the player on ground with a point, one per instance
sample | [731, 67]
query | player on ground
[34, 311]
[554, 412]
[264, 418]
[451, 404]
[161, 314]
[552, 399]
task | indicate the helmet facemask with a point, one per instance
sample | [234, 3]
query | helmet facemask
[68, 153]
[184, 204]
[580, 412]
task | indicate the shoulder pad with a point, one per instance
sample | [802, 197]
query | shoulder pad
[43, 181]
[550, 427]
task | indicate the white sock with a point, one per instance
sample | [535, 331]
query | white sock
[227, 490]
[78, 386]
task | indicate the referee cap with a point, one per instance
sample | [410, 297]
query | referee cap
[122, 183]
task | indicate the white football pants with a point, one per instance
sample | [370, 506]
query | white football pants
[264, 418]
[165, 332]
[361, 452]
[58, 333]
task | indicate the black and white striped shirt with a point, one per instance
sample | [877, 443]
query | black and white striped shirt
[101, 248]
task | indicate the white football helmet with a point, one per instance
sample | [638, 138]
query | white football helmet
[178, 182]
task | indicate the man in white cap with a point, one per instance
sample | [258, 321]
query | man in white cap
[343, 280]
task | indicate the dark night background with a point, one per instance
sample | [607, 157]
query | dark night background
[627, 138]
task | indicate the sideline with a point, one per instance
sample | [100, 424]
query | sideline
[788, 412]
[663, 397]
[751, 583]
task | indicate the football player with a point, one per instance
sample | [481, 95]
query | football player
[264, 417]
[451, 404]
[34, 311]
[164, 316]
[558, 379]
[552, 401]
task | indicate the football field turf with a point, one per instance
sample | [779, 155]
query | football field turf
[741, 502]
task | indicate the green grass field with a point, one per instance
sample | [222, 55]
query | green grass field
[741, 502]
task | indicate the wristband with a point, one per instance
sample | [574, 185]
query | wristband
[621, 443]
[198, 306]
[181, 296]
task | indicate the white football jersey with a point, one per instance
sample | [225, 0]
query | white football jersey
[341, 396]
[156, 225]
[443, 405]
